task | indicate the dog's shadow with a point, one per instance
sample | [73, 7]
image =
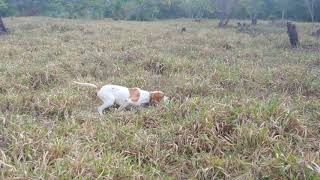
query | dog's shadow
[130, 108]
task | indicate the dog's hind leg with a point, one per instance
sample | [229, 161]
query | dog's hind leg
[107, 102]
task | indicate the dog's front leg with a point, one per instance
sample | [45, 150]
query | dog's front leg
[100, 110]
[123, 106]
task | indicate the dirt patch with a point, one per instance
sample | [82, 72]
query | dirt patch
[149, 122]
[131, 55]
[155, 67]
[40, 79]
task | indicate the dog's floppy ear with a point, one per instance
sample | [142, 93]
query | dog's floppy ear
[156, 97]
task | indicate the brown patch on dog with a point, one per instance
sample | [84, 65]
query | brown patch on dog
[156, 97]
[134, 94]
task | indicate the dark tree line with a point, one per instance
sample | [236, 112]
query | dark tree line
[304, 10]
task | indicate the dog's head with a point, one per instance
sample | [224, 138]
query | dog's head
[158, 96]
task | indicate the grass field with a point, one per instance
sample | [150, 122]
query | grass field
[245, 105]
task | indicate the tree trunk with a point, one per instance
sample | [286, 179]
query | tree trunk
[254, 20]
[283, 14]
[221, 23]
[224, 19]
[293, 34]
[226, 7]
[310, 6]
[312, 11]
[2, 28]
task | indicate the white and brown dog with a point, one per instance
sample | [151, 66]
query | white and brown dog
[125, 97]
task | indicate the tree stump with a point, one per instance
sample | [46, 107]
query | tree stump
[183, 29]
[2, 28]
[197, 20]
[240, 27]
[243, 27]
[293, 34]
[317, 33]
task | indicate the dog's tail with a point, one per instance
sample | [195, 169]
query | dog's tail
[86, 84]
